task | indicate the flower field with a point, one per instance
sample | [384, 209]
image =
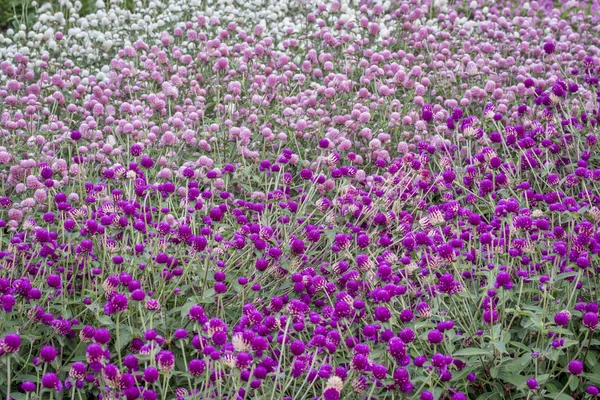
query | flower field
[288, 200]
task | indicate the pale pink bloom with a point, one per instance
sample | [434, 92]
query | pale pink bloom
[5, 157]
[15, 215]
[28, 202]
[20, 187]
[165, 173]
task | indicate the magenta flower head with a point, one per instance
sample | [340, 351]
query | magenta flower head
[48, 354]
[549, 47]
[50, 381]
[593, 391]
[112, 375]
[575, 367]
[434, 336]
[75, 135]
[87, 334]
[426, 396]
[151, 375]
[532, 384]
[11, 343]
[180, 334]
[562, 318]
[590, 320]
[331, 393]
[165, 360]
[28, 386]
[102, 336]
[396, 348]
[196, 367]
[78, 370]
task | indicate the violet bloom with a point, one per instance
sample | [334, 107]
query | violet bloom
[575, 367]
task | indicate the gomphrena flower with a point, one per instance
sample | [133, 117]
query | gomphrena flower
[575, 367]
[590, 320]
[11, 343]
[165, 360]
[78, 370]
[51, 381]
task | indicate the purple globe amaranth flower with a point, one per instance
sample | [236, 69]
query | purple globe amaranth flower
[532, 384]
[592, 390]
[590, 320]
[297, 347]
[549, 47]
[407, 335]
[396, 347]
[562, 318]
[165, 360]
[151, 374]
[51, 381]
[331, 393]
[196, 367]
[575, 367]
[102, 336]
[435, 337]
[75, 135]
[28, 386]
[78, 370]
[87, 334]
[48, 354]
[426, 396]
[11, 343]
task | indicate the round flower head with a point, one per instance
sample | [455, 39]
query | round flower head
[562, 318]
[48, 354]
[102, 336]
[78, 370]
[396, 347]
[11, 343]
[28, 386]
[593, 391]
[50, 381]
[434, 336]
[532, 384]
[75, 135]
[165, 360]
[151, 375]
[549, 47]
[590, 320]
[196, 367]
[575, 367]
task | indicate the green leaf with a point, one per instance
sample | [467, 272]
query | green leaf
[559, 396]
[514, 379]
[125, 335]
[500, 346]
[471, 351]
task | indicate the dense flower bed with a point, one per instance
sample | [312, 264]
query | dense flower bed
[298, 200]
